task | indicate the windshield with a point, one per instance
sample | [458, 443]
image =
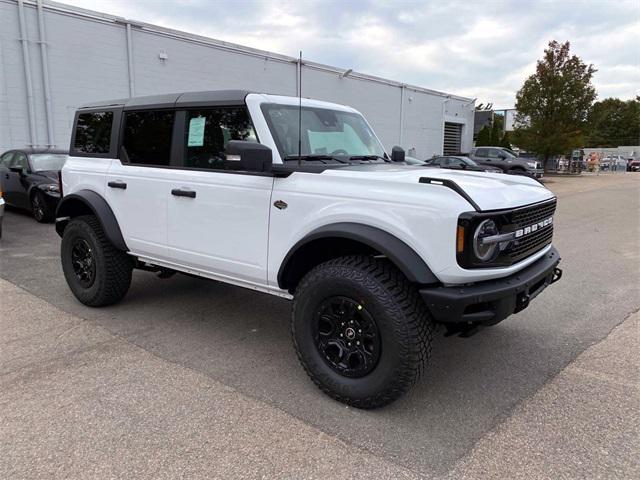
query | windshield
[47, 161]
[325, 132]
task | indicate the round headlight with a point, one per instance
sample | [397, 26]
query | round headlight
[487, 228]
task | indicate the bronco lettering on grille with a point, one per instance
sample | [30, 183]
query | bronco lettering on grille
[533, 228]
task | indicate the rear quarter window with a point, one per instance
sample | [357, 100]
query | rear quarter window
[93, 133]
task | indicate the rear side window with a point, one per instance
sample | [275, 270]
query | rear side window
[147, 137]
[482, 152]
[93, 132]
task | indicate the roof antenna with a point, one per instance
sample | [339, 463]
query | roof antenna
[299, 107]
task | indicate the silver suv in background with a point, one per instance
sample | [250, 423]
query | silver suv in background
[506, 160]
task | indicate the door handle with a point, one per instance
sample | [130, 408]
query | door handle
[183, 193]
[6, 175]
[121, 185]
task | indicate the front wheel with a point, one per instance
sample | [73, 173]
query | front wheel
[97, 273]
[42, 212]
[361, 331]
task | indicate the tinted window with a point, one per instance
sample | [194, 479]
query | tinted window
[482, 152]
[495, 153]
[20, 160]
[209, 130]
[436, 161]
[456, 162]
[93, 132]
[6, 159]
[147, 137]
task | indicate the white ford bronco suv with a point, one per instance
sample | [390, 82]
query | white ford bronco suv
[298, 198]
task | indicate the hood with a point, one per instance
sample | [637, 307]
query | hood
[490, 191]
[52, 174]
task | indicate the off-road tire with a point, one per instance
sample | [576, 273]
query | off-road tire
[113, 267]
[403, 320]
[40, 209]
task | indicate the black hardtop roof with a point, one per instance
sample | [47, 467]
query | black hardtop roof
[170, 100]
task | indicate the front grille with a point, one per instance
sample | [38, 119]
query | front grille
[535, 241]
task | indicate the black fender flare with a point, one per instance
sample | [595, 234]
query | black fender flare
[83, 202]
[398, 252]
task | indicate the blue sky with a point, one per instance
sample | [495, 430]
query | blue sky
[471, 48]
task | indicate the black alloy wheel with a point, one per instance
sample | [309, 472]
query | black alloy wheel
[83, 263]
[38, 207]
[347, 336]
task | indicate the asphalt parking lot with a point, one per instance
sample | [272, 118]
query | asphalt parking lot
[237, 343]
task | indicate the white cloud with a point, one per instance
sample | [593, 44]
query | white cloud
[483, 50]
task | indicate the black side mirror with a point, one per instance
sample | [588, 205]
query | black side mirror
[249, 156]
[19, 170]
[397, 154]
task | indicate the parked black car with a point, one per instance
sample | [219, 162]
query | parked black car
[29, 180]
[460, 163]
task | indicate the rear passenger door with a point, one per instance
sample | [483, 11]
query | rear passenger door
[139, 183]
[218, 218]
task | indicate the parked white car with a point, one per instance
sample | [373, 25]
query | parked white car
[304, 203]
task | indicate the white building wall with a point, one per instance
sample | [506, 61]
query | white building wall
[88, 62]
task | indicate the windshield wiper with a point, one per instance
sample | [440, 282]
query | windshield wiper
[317, 156]
[367, 157]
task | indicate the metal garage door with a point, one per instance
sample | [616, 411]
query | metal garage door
[452, 138]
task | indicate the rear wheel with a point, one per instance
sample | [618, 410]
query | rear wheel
[41, 210]
[361, 331]
[97, 273]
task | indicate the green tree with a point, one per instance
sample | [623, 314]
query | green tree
[614, 122]
[484, 137]
[506, 141]
[554, 102]
[496, 130]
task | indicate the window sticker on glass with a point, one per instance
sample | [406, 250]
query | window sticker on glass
[196, 132]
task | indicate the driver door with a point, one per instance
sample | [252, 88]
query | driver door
[218, 218]
[15, 183]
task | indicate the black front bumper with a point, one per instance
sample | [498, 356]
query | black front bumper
[490, 302]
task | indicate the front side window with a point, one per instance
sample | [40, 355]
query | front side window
[20, 160]
[93, 132]
[5, 160]
[47, 161]
[147, 137]
[208, 131]
[325, 132]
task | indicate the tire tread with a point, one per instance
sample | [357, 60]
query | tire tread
[416, 348]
